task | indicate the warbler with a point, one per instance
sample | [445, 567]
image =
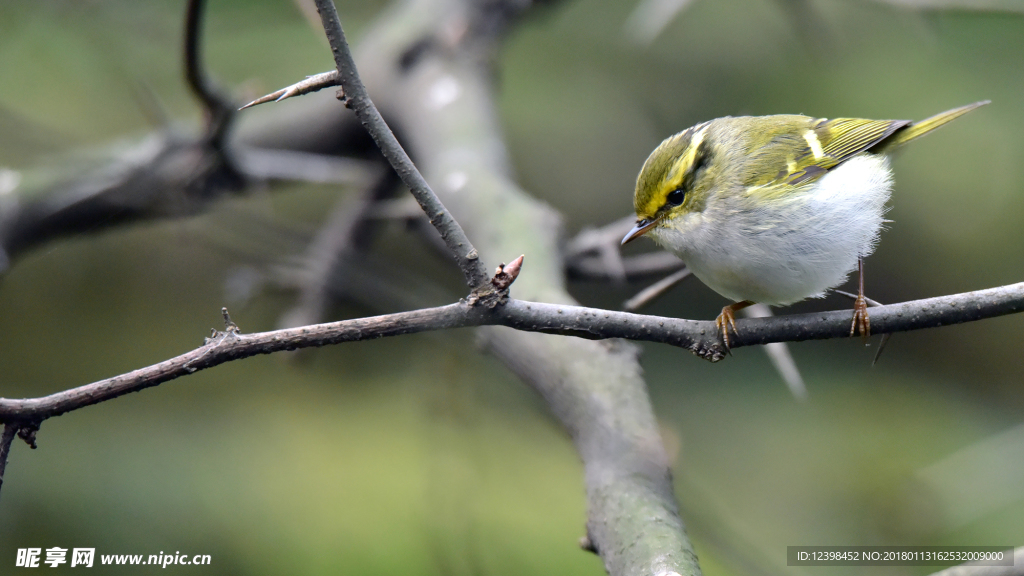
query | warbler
[774, 209]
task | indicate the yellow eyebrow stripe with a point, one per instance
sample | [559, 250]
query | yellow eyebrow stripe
[690, 140]
[814, 144]
[683, 164]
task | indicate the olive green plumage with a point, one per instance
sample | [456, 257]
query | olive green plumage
[770, 150]
[774, 209]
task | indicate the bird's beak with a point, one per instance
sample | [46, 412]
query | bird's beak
[641, 228]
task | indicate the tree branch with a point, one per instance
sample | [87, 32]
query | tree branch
[165, 175]
[656, 290]
[701, 337]
[636, 267]
[330, 256]
[427, 65]
[230, 345]
[466, 256]
[778, 354]
[219, 110]
[698, 336]
[6, 439]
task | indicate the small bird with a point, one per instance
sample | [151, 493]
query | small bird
[774, 209]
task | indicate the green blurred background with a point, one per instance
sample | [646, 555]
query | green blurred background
[417, 455]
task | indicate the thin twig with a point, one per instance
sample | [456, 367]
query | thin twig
[596, 253]
[635, 267]
[606, 243]
[376, 285]
[10, 430]
[167, 174]
[654, 291]
[220, 111]
[329, 257]
[296, 166]
[224, 347]
[700, 337]
[591, 240]
[852, 296]
[779, 355]
[466, 256]
[395, 209]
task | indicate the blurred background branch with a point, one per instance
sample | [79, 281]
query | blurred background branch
[219, 109]
[594, 390]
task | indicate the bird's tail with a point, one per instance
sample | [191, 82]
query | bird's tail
[925, 126]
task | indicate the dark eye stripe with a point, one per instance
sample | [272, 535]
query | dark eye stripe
[700, 162]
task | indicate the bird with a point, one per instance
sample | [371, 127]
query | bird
[774, 209]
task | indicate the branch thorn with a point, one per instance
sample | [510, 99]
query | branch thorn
[229, 326]
[309, 84]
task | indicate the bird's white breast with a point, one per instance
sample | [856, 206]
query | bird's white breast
[781, 249]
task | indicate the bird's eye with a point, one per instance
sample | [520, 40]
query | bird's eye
[676, 197]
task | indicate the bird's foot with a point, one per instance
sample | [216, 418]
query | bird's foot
[727, 321]
[861, 323]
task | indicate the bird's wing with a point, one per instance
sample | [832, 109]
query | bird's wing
[828, 143]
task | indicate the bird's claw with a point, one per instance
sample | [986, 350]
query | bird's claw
[725, 321]
[861, 322]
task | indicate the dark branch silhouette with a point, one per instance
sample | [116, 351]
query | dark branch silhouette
[6, 439]
[698, 336]
[356, 98]
[219, 110]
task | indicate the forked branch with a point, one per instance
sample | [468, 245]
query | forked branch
[466, 256]
[219, 109]
[700, 337]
